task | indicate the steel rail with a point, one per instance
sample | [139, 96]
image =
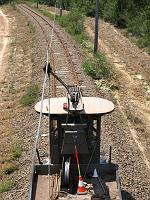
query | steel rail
[53, 192]
[52, 54]
[54, 79]
[64, 46]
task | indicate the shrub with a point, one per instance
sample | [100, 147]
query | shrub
[98, 68]
[89, 69]
[73, 23]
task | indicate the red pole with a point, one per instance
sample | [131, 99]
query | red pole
[77, 158]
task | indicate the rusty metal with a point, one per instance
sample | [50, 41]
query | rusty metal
[53, 78]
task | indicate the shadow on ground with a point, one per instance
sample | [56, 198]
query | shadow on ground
[126, 195]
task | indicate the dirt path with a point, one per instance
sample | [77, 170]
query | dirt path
[4, 31]
[18, 61]
[132, 65]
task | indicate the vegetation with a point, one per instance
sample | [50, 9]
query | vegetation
[6, 185]
[46, 13]
[9, 167]
[30, 96]
[31, 27]
[133, 15]
[74, 24]
[16, 152]
[98, 67]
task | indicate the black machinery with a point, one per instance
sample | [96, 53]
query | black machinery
[74, 121]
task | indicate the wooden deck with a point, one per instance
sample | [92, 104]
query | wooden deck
[113, 191]
[47, 186]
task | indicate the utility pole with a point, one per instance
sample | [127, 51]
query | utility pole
[37, 3]
[96, 27]
[60, 7]
[49, 3]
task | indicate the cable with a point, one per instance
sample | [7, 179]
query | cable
[49, 130]
[49, 119]
[39, 122]
[41, 109]
[90, 159]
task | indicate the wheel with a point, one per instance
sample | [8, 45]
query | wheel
[65, 177]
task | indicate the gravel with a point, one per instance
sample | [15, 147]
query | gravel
[134, 175]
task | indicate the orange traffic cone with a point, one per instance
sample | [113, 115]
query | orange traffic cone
[81, 188]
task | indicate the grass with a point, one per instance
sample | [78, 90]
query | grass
[132, 118]
[12, 46]
[98, 67]
[6, 185]
[141, 42]
[16, 152]
[46, 13]
[87, 45]
[73, 24]
[9, 168]
[30, 96]
[31, 27]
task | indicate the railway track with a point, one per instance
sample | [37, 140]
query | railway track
[126, 155]
[70, 68]
[63, 62]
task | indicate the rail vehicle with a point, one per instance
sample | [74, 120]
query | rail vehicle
[74, 144]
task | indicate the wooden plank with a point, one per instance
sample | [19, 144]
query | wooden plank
[47, 186]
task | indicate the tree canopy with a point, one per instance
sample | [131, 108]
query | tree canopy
[134, 15]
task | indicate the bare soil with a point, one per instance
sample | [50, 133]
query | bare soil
[16, 65]
[4, 24]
